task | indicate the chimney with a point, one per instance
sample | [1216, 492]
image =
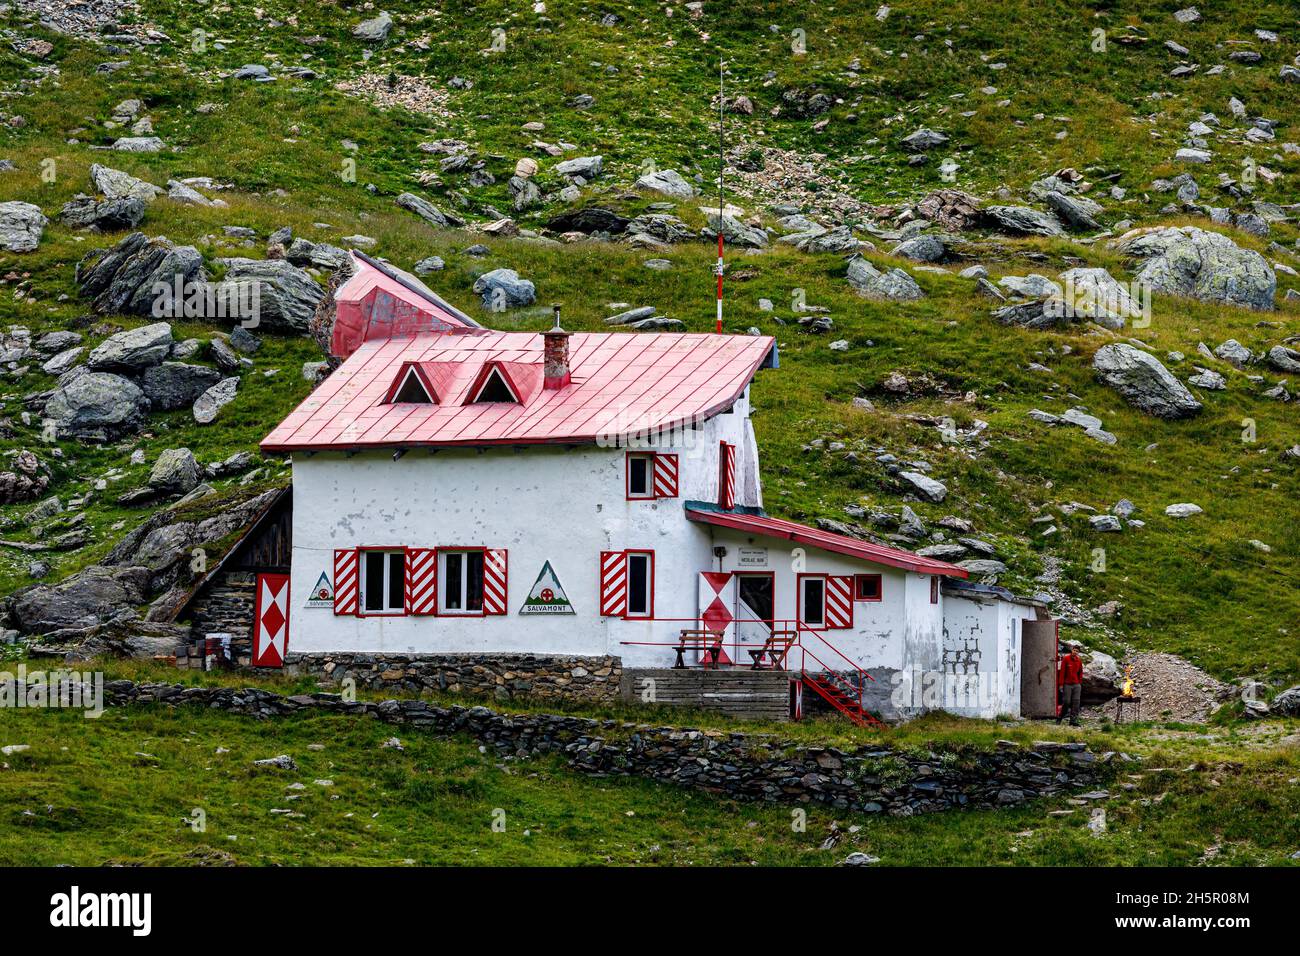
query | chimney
[555, 355]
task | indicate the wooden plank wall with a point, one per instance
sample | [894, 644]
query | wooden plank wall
[758, 695]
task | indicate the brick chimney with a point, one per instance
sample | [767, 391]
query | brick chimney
[555, 355]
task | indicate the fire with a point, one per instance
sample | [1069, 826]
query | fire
[1127, 686]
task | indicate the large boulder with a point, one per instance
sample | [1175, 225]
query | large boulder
[175, 472]
[661, 227]
[115, 184]
[21, 226]
[97, 406]
[213, 400]
[374, 30]
[139, 275]
[1143, 382]
[502, 289]
[1101, 679]
[1093, 293]
[174, 385]
[1075, 211]
[105, 215]
[735, 232]
[84, 600]
[588, 220]
[588, 167]
[1287, 703]
[1204, 265]
[1022, 220]
[894, 284]
[667, 181]
[133, 350]
[286, 297]
[428, 211]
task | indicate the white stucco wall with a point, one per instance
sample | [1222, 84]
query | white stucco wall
[981, 647]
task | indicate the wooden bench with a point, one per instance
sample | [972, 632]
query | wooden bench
[699, 639]
[775, 649]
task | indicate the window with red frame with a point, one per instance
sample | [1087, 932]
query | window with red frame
[867, 587]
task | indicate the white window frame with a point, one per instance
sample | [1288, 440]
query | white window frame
[649, 557]
[445, 583]
[649, 459]
[803, 599]
[386, 608]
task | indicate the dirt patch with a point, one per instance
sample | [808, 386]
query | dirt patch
[1171, 689]
[386, 91]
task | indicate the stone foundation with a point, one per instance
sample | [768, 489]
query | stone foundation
[738, 692]
[501, 676]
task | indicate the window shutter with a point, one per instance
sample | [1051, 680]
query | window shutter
[726, 475]
[839, 600]
[665, 476]
[613, 584]
[421, 581]
[495, 579]
[346, 592]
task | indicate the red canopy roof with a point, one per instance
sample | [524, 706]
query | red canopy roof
[826, 540]
[623, 384]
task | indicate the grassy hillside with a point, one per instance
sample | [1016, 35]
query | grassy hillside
[1194, 587]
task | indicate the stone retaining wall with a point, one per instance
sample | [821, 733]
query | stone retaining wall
[503, 676]
[873, 779]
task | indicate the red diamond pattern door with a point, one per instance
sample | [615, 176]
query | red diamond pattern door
[717, 594]
[271, 620]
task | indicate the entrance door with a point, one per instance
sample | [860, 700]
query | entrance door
[755, 609]
[1038, 668]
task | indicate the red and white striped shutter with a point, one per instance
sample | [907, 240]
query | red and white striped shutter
[421, 581]
[665, 476]
[346, 580]
[726, 475]
[839, 600]
[495, 578]
[613, 584]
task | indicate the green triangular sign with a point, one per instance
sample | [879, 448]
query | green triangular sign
[322, 595]
[546, 595]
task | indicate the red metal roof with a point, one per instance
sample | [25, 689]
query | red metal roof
[623, 383]
[827, 541]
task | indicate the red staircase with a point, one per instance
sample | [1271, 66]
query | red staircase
[838, 686]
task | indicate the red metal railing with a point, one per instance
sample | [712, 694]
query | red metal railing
[832, 683]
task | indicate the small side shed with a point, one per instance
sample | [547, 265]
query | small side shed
[223, 601]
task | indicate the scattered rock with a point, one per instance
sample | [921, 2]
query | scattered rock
[21, 226]
[207, 405]
[870, 282]
[97, 406]
[1143, 382]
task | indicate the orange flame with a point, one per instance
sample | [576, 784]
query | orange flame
[1127, 686]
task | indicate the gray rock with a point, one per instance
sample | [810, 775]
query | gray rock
[661, 227]
[115, 184]
[1024, 221]
[1183, 510]
[133, 350]
[21, 226]
[86, 599]
[1203, 265]
[62, 361]
[251, 71]
[502, 289]
[1032, 286]
[179, 192]
[667, 181]
[97, 406]
[735, 232]
[893, 285]
[922, 140]
[429, 264]
[925, 486]
[132, 276]
[207, 405]
[1104, 523]
[588, 167]
[173, 385]
[1075, 211]
[1143, 382]
[982, 567]
[139, 144]
[838, 240]
[1208, 379]
[374, 30]
[921, 249]
[428, 211]
[1287, 703]
[1283, 359]
[287, 296]
[107, 215]
[175, 472]
[57, 341]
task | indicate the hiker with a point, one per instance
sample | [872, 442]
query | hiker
[1069, 677]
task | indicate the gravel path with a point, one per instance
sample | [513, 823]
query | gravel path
[1170, 687]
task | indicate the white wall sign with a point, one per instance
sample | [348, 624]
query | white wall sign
[546, 595]
[751, 557]
[322, 595]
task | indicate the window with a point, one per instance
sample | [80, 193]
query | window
[640, 584]
[383, 579]
[934, 589]
[640, 476]
[461, 590]
[412, 390]
[866, 587]
[812, 600]
[495, 389]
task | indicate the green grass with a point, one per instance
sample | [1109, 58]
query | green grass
[1195, 587]
[123, 789]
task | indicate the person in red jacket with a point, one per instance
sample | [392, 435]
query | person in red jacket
[1069, 677]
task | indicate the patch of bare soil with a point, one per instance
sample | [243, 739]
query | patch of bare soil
[414, 93]
[1171, 689]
